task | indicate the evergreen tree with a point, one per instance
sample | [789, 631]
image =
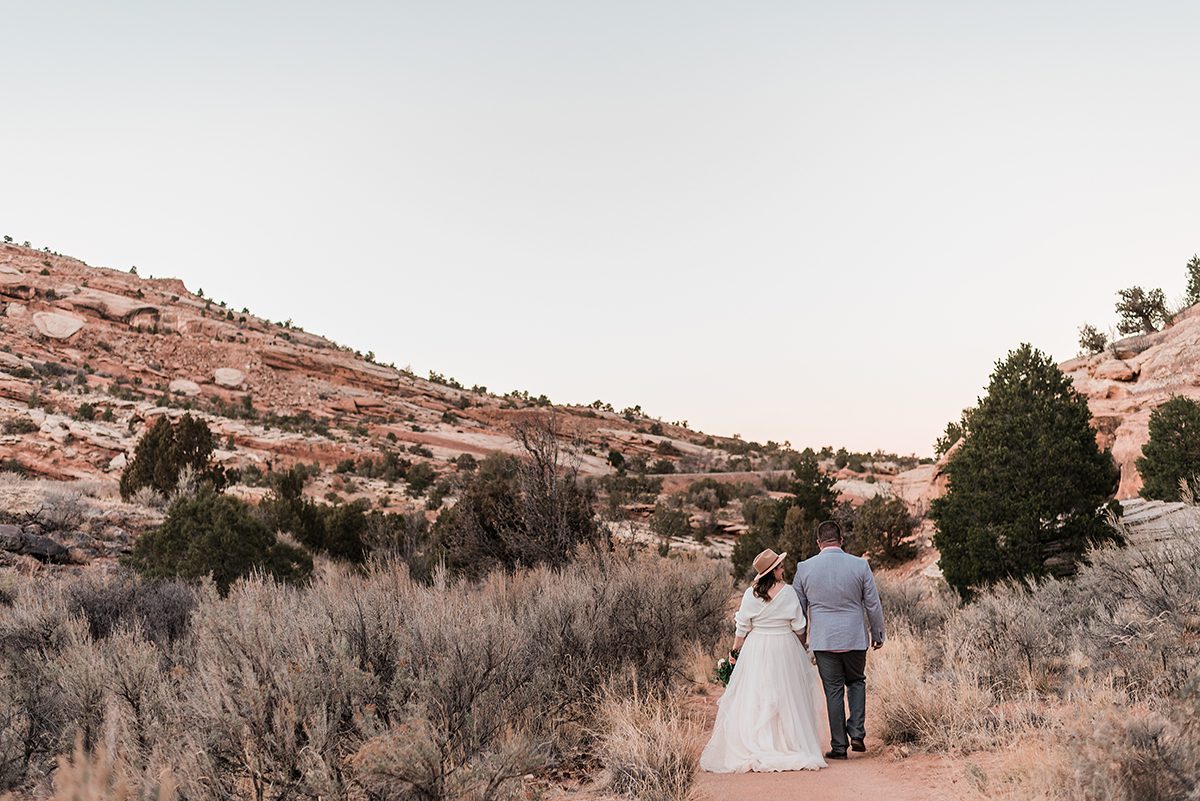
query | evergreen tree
[1027, 486]
[789, 524]
[881, 526]
[1193, 281]
[218, 535]
[1141, 312]
[163, 453]
[1173, 452]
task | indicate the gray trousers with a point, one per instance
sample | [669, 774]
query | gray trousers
[844, 676]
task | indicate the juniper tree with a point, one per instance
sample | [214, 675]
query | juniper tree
[218, 535]
[1172, 454]
[1028, 485]
[1141, 312]
[163, 453]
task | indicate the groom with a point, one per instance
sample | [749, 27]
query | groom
[837, 593]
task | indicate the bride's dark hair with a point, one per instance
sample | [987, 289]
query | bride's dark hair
[762, 587]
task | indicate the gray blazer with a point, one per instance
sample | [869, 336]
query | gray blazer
[837, 594]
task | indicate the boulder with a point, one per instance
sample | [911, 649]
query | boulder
[44, 549]
[57, 325]
[118, 462]
[15, 310]
[182, 386]
[228, 377]
[11, 538]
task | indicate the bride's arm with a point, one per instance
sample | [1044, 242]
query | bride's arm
[743, 621]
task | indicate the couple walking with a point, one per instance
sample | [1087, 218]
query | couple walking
[769, 717]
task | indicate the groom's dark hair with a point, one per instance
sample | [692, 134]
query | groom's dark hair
[829, 531]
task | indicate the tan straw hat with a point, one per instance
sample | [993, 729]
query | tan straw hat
[767, 561]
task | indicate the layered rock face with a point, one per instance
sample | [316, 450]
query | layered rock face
[89, 357]
[1125, 383]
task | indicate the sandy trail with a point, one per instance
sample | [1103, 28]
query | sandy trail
[876, 775]
[863, 777]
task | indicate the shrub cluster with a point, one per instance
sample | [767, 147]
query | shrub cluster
[359, 685]
[1100, 672]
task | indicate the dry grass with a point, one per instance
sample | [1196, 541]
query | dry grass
[1089, 686]
[650, 748]
[96, 777]
[361, 685]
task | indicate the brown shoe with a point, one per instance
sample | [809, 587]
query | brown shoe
[856, 744]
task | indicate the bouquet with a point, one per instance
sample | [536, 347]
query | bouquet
[724, 671]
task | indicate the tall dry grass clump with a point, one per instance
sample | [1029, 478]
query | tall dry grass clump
[650, 747]
[362, 684]
[1097, 676]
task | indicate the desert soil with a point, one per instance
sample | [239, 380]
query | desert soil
[863, 776]
[880, 773]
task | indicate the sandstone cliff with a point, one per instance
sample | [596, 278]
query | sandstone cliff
[1126, 382]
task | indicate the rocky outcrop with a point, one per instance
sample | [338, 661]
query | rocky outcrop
[57, 325]
[1131, 379]
[117, 308]
[351, 372]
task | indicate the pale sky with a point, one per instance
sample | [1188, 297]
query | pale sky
[815, 222]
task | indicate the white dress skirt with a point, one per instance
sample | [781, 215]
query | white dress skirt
[771, 715]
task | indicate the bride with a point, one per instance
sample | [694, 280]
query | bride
[767, 720]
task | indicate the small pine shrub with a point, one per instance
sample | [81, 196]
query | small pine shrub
[211, 534]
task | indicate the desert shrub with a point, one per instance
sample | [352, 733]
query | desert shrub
[360, 682]
[404, 537]
[86, 411]
[164, 452]
[20, 425]
[419, 478]
[62, 509]
[881, 527]
[633, 487]
[668, 522]
[1013, 638]
[710, 494]
[519, 512]
[217, 535]
[1091, 341]
[661, 467]
[920, 606]
[1140, 610]
[1028, 484]
[937, 710]
[161, 610]
[650, 748]
[1126, 752]
[336, 530]
[1172, 454]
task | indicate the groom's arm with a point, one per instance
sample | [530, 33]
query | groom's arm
[798, 586]
[874, 608]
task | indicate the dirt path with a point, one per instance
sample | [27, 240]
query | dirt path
[863, 777]
[876, 775]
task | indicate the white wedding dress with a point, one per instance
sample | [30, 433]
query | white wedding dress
[770, 717]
